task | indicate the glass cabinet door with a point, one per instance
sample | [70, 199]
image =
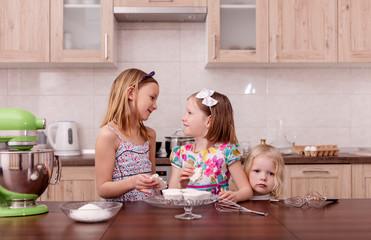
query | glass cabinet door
[81, 24]
[237, 31]
[238, 25]
[82, 31]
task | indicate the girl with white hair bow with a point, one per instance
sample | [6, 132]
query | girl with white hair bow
[208, 163]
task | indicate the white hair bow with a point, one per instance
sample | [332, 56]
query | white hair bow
[206, 94]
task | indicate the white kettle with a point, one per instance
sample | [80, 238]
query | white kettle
[62, 136]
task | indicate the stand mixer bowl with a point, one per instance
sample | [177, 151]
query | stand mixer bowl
[24, 176]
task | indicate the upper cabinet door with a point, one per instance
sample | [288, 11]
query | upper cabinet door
[82, 31]
[303, 30]
[354, 31]
[24, 31]
[237, 31]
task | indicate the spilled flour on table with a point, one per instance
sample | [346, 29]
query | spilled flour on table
[90, 213]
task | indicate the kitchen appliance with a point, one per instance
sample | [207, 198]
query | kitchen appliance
[177, 139]
[160, 14]
[62, 136]
[164, 171]
[24, 173]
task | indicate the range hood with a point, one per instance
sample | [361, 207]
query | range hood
[160, 14]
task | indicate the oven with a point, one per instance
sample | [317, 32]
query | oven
[164, 171]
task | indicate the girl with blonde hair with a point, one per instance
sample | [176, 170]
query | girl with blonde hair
[214, 155]
[125, 147]
[264, 169]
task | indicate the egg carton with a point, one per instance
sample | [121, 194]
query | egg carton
[321, 150]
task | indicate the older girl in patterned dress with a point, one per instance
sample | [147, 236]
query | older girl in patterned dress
[209, 118]
[125, 148]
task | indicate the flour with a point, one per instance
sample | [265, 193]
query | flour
[90, 213]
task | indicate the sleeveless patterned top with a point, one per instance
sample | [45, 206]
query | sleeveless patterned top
[130, 160]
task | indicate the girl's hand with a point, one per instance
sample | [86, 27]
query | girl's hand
[143, 182]
[185, 174]
[229, 195]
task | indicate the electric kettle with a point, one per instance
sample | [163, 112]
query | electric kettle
[62, 136]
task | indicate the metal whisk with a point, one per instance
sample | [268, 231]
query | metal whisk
[229, 206]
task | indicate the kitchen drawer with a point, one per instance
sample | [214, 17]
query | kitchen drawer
[330, 180]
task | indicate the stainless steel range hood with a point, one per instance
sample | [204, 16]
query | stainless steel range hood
[160, 14]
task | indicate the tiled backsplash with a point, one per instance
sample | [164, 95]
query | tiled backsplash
[317, 105]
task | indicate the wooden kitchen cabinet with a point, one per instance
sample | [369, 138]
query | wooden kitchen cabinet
[237, 32]
[159, 3]
[330, 180]
[82, 32]
[277, 31]
[77, 184]
[354, 31]
[303, 30]
[361, 181]
[24, 31]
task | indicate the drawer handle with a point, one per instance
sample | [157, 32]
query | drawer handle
[160, 0]
[315, 171]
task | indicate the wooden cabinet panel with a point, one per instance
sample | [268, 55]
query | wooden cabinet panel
[24, 31]
[218, 55]
[159, 3]
[105, 53]
[354, 31]
[361, 181]
[330, 180]
[76, 184]
[303, 30]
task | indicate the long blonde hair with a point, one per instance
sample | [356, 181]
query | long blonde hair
[118, 109]
[222, 122]
[272, 153]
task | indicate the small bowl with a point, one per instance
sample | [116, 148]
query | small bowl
[91, 211]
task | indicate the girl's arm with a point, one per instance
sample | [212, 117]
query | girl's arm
[239, 177]
[180, 176]
[174, 178]
[105, 153]
[152, 148]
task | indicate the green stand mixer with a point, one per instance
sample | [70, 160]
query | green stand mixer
[24, 173]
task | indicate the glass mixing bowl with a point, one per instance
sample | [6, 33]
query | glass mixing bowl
[91, 211]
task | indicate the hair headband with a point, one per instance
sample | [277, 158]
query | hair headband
[206, 96]
[151, 74]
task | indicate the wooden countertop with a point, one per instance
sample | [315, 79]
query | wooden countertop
[342, 158]
[347, 219]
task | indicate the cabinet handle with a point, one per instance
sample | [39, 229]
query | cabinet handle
[315, 171]
[106, 46]
[276, 46]
[214, 46]
[160, 0]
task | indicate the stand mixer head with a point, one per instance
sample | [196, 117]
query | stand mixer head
[24, 173]
[18, 128]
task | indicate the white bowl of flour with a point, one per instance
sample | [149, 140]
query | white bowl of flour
[91, 211]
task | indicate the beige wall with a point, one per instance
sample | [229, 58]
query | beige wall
[318, 105]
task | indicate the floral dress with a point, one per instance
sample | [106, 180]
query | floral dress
[213, 161]
[131, 159]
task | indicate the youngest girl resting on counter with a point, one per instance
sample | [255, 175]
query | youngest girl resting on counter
[264, 168]
[208, 163]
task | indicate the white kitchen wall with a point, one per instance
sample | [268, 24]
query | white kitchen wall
[317, 105]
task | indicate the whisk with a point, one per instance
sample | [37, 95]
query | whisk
[229, 206]
[311, 200]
